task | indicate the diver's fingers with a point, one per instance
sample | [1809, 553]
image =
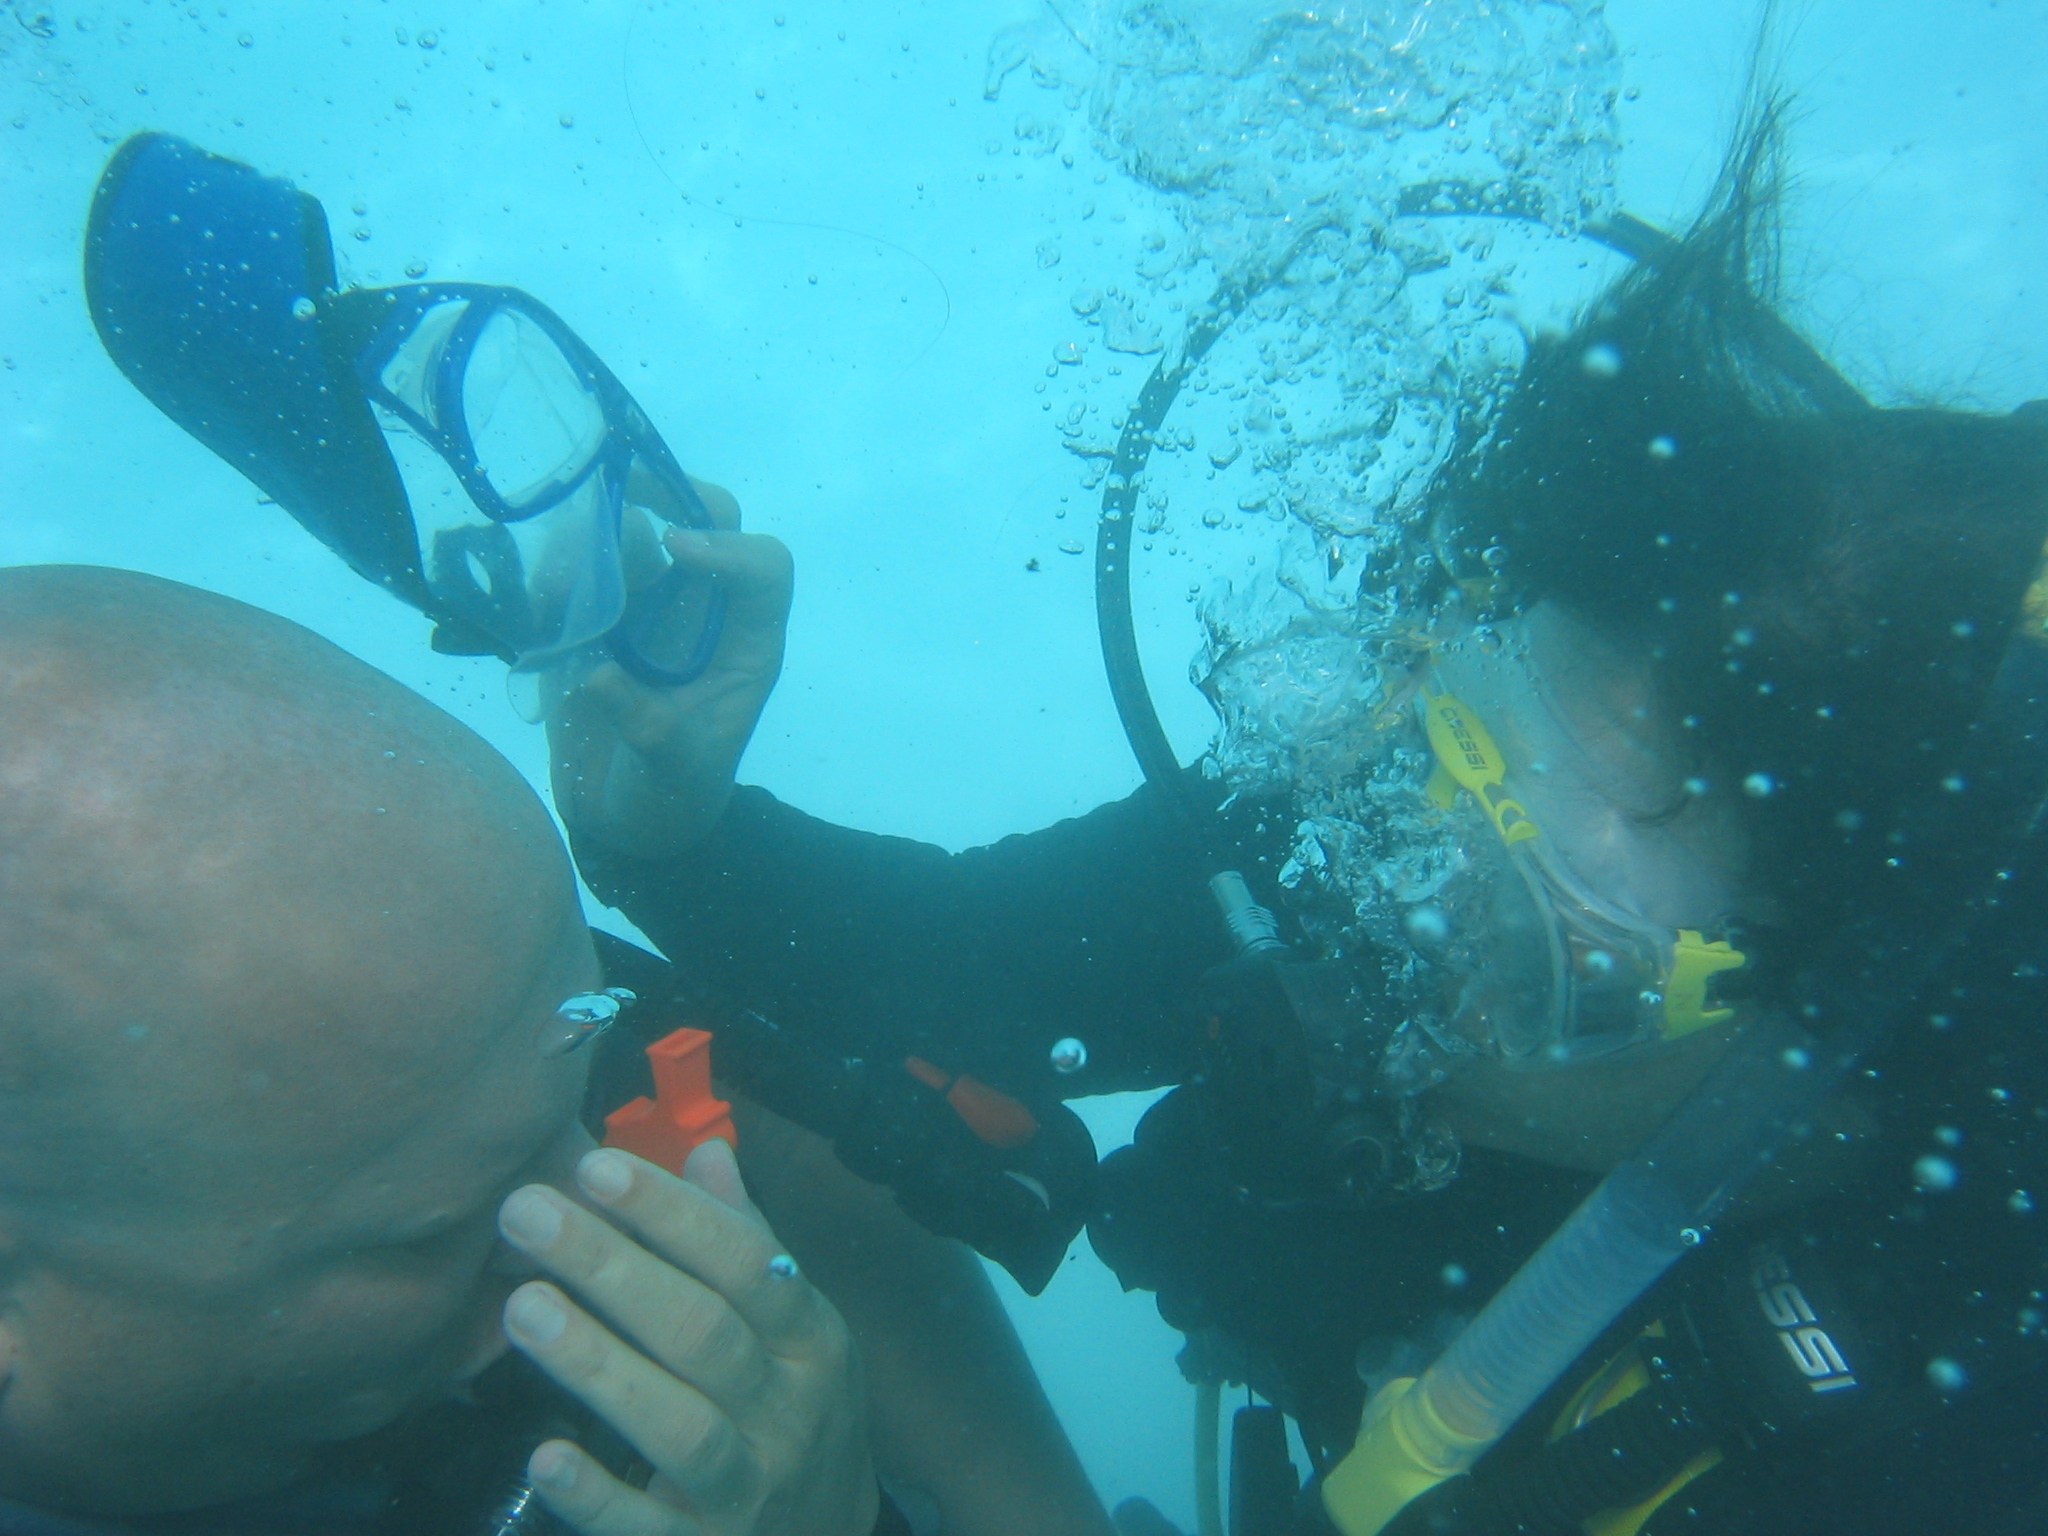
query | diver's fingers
[712, 1166]
[718, 501]
[729, 1250]
[756, 568]
[665, 1419]
[644, 716]
[682, 1325]
[585, 1496]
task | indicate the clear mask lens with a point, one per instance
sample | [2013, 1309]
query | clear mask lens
[1551, 979]
[535, 423]
[544, 577]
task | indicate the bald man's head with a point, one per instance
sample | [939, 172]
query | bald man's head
[280, 948]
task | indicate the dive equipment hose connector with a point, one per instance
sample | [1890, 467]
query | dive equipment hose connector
[1255, 929]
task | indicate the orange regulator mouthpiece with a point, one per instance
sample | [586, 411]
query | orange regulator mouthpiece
[683, 1114]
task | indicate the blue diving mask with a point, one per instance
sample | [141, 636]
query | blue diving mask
[455, 443]
[537, 486]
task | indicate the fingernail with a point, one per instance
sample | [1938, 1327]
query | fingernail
[605, 1174]
[529, 1219]
[553, 1466]
[533, 1317]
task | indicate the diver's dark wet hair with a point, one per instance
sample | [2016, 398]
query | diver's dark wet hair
[1826, 587]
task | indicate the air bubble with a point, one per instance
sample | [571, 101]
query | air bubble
[1602, 360]
[1068, 1056]
[1937, 1175]
[304, 308]
[1426, 924]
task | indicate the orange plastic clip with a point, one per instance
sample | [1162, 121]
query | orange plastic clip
[995, 1117]
[683, 1114]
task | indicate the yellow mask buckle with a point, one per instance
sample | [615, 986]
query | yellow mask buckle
[1694, 962]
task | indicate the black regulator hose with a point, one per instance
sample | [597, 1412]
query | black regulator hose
[1113, 531]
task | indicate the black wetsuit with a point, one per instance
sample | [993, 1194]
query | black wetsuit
[1101, 928]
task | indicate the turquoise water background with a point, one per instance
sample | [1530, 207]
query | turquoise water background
[815, 250]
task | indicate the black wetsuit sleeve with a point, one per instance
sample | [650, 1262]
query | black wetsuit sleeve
[1097, 928]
